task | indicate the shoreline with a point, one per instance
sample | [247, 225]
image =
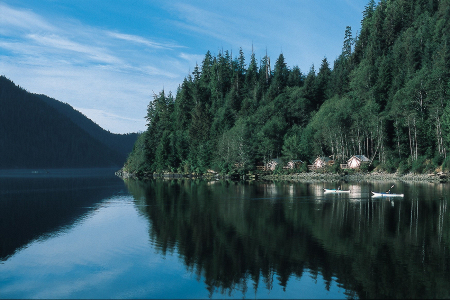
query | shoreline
[310, 176]
[57, 172]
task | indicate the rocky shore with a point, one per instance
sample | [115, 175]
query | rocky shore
[126, 175]
[310, 176]
[374, 176]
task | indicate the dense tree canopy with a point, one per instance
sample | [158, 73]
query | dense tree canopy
[40, 132]
[384, 97]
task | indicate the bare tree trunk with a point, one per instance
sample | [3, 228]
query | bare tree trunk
[371, 139]
[367, 145]
[398, 139]
[410, 139]
[415, 137]
[440, 140]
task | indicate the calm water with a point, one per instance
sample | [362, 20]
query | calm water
[65, 235]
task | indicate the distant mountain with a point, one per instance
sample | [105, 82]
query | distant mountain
[122, 143]
[40, 132]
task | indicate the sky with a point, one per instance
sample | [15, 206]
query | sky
[108, 58]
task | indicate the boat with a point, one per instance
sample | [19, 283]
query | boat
[335, 191]
[386, 195]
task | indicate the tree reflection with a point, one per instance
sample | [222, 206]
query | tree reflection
[37, 208]
[231, 233]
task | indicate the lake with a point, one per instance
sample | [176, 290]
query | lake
[80, 234]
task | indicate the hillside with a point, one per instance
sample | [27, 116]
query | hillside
[384, 97]
[122, 143]
[40, 132]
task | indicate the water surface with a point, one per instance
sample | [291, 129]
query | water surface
[100, 237]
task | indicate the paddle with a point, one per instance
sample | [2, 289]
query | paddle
[390, 189]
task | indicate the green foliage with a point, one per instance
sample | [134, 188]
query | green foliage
[366, 168]
[40, 132]
[303, 168]
[385, 97]
[334, 168]
[404, 167]
[438, 160]
[446, 165]
[423, 165]
[291, 144]
[279, 170]
[137, 159]
[390, 166]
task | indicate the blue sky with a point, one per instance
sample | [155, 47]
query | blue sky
[107, 58]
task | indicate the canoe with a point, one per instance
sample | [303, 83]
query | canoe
[335, 191]
[386, 195]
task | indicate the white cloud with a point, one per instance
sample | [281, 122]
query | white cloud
[114, 122]
[141, 40]
[109, 74]
[305, 31]
[225, 26]
[159, 72]
[22, 19]
[109, 69]
[192, 58]
[56, 42]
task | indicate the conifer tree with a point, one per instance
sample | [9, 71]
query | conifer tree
[322, 82]
[385, 97]
[280, 77]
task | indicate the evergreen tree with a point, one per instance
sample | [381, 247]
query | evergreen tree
[295, 77]
[183, 106]
[251, 76]
[280, 77]
[385, 97]
[322, 82]
[348, 43]
[310, 88]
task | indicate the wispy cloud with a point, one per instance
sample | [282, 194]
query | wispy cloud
[193, 58]
[226, 27]
[108, 74]
[23, 19]
[113, 65]
[141, 40]
[57, 42]
[117, 123]
[304, 31]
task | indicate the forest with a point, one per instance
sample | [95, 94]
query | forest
[385, 96]
[40, 132]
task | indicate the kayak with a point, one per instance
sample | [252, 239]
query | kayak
[386, 195]
[334, 191]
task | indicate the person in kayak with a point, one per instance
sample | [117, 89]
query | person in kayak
[389, 191]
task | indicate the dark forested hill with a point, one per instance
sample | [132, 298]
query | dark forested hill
[40, 132]
[122, 143]
[386, 97]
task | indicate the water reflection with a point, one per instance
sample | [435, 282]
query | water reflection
[39, 206]
[238, 235]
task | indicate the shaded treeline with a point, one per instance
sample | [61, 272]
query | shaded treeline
[385, 97]
[38, 208]
[39, 132]
[121, 143]
[236, 235]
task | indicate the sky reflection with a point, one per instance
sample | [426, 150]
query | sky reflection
[108, 254]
